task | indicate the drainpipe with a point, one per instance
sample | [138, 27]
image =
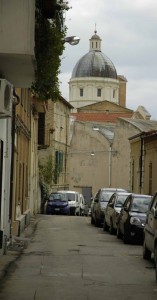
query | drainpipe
[141, 162]
[110, 165]
[16, 101]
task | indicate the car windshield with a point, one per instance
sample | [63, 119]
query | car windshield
[106, 196]
[140, 204]
[57, 197]
[120, 200]
[71, 197]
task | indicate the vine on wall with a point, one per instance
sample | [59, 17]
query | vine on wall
[49, 46]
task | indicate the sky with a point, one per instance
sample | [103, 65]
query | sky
[128, 30]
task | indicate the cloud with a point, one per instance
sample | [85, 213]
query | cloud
[128, 32]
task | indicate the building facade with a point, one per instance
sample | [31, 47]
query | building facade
[94, 79]
[54, 141]
[143, 162]
[100, 154]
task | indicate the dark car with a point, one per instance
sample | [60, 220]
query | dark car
[150, 231]
[112, 211]
[99, 204]
[132, 218]
[57, 203]
[155, 260]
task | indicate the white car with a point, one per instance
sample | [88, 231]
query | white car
[82, 210]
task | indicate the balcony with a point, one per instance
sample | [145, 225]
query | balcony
[17, 30]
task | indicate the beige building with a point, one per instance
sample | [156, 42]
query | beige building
[25, 196]
[54, 141]
[100, 153]
[144, 161]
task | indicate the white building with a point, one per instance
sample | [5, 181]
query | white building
[94, 78]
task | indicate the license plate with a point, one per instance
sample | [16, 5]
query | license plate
[57, 209]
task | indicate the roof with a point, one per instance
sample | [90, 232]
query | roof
[65, 102]
[104, 106]
[101, 116]
[142, 125]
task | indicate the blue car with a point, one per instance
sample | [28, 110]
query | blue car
[57, 204]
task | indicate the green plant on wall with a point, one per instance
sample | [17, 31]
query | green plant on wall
[49, 46]
[46, 171]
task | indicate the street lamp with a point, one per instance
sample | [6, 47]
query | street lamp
[72, 40]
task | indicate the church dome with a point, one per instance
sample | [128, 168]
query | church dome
[94, 63]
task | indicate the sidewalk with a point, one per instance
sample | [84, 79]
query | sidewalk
[15, 250]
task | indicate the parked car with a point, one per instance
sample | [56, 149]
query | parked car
[99, 204]
[73, 200]
[132, 218]
[57, 203]
[155, 260]
[150, 231]
[112, 211]
[82, 209]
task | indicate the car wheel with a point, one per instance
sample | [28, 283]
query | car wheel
[92, 220]
[97, 222]
[146, 251]
[111, 229]
[125, 237]
[105, 226]
[155, 260]
[119, 234]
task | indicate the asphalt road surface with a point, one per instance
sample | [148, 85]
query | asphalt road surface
[70, 259]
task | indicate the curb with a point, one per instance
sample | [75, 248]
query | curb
[15, 250]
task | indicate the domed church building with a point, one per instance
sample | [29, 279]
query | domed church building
[94, 79]
[101, 125]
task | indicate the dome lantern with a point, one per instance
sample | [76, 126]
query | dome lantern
[95, 42]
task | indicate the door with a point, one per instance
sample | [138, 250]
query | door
[87, 194]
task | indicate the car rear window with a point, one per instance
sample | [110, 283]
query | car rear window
[120, 200]
[106, 196]
[140, 204]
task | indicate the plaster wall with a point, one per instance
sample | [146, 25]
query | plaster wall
[85, 170]
[121, 160]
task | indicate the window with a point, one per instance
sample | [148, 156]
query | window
[98, 92]
[41, 129]
[81, 92]
[114, 93]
